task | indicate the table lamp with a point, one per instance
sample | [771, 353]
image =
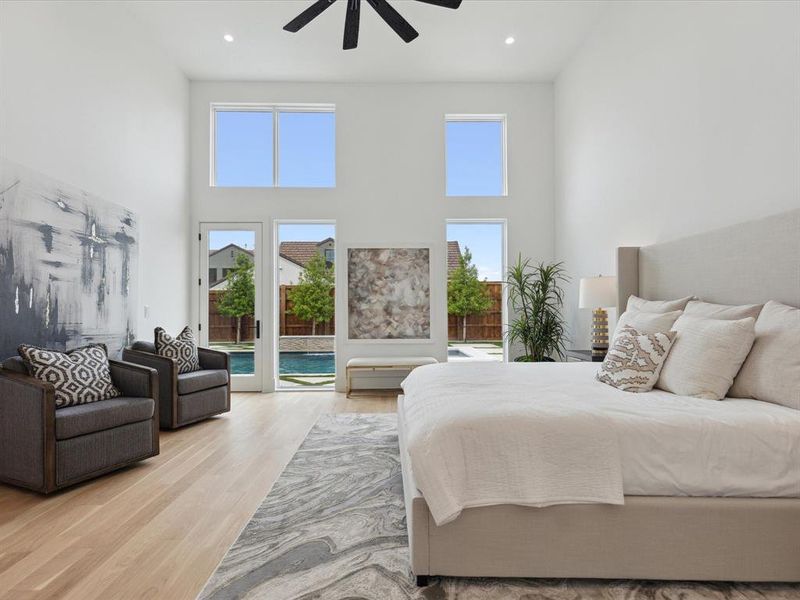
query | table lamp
[598, 293]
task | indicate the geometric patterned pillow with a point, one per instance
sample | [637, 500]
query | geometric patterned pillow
[79, 376]
[634, 360]
[183, 349]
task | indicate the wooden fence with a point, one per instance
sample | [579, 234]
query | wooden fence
[485, 326]
[222, 328]
[291, 325]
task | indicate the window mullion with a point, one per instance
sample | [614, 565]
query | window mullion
[275, 157]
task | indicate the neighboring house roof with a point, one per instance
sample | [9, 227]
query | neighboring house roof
[300, 253]
[219, 286]
[453, 256]
[250, 252]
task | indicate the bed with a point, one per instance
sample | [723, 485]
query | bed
[668, 528]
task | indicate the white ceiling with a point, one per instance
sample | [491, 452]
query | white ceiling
[454, 45]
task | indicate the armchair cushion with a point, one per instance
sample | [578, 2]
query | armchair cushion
[16, 364]
[182, 348]
[197, 381]
[73, 421]
[143, 346]
[79, 376]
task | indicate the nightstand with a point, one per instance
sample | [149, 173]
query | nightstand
[582, 356]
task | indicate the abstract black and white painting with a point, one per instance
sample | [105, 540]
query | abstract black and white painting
[388, 294]
[68, 265]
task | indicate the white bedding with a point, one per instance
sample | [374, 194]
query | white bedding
[539, 434]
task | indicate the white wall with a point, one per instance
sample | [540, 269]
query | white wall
[86, 98]
[289, 272]
[390, 180]
[674, 118]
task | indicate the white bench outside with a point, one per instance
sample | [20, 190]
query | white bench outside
[393, 363]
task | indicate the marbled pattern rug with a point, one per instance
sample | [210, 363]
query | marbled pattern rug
[333, 528]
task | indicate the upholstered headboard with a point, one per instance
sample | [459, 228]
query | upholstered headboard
[748, 263]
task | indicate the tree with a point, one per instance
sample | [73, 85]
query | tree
[466, 294]
[312, 299]
[238, 298]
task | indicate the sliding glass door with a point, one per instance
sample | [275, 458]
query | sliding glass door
[230, 285]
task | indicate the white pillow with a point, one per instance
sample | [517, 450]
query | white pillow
[656, 306]
[772, 370]
[705, 356]
[695, 308]
[646, 322]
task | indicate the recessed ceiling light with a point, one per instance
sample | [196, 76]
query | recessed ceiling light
[227, 37]
[510, 40]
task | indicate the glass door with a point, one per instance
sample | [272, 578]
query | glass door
[305, 355]
[230, 303]
[476, 294]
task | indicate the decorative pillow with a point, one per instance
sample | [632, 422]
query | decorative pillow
[705, 356]
[79, 376]
[771, 371]
[646, 322]
[657, 306]
[183, 349]
[634, 360]
[695, 308]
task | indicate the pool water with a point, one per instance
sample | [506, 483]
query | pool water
[455, 352]
[291, 363]
[307, 363]
[242, 363]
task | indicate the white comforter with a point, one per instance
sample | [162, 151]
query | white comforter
[541, 434]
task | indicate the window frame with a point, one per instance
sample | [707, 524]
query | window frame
[276, 109]
[480, 118]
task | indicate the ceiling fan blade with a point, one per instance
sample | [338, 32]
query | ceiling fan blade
[351, 23]
[394, 19]
[308, 15]
[444, 3]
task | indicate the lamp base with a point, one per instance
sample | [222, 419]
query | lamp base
[599, 332]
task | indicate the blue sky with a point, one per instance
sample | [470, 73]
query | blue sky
[485, 242]
[219, 239]
[474, 158]
[307, 145]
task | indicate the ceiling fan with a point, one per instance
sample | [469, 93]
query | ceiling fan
[382, 7]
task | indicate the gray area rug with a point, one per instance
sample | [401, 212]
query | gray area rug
[333, 528]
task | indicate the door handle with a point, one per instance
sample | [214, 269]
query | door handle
[258, 329]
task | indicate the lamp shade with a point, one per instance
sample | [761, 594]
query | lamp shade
[598, 292]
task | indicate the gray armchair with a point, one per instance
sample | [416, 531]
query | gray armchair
[44, 449]
[186, 397]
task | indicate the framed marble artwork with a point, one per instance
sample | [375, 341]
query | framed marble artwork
[389, 294]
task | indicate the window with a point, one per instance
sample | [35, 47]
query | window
[243, 150]
[212, 275]
[330, 255]
[273, 146]
[475, 155]
[306, 149]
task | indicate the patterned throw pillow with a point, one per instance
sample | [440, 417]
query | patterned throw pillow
[182, 348]
[79, 376]
[634, 360]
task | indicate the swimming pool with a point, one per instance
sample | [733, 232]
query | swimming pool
[455, 352]
[291, 363]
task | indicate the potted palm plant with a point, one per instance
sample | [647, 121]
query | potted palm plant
[537, 298]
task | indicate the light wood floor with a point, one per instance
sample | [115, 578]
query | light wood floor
[159, 529]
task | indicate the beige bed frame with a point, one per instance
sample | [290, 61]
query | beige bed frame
[673, 538]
